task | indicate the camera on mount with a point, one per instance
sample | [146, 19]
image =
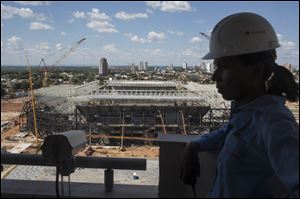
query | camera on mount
[59, 149]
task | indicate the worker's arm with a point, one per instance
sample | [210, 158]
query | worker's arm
[189, 165]
[281, 142]
[211, 141]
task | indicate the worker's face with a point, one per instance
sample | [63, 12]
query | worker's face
[232, 78]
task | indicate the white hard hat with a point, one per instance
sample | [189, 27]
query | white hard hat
[241, 33]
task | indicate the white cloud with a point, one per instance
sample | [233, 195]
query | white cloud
[96, 15]
[79, 15]
[15, 43]
[288, 45]
[34, 3]
[40, 26]
[152, 36]
[285, 44]
[58, 46]
[153, 4]
[42, 48]
[170, 6]
[98, 21]
[279, 36]
[110, 48]
[8, 12]
[149, 11]
[130, 16]
[192, 52]
[195, 40]
[128, 34]
[63, 33]
[173, 6]
[135, 38]
[288, 52]
[101, 26]
[177, 33]
[156, 52]
[156, 35]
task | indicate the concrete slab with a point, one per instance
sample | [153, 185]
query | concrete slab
[46, 189]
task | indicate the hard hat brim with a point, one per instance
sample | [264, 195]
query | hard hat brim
[209, 56]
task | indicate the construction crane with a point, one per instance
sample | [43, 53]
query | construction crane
[205, 35]
[64, 56]
[32, 101]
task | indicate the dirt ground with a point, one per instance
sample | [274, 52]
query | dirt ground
[10, 109]
[8, 133]
[13, 105]
[150, 152]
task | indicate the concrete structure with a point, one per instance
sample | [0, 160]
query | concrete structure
[103, 66]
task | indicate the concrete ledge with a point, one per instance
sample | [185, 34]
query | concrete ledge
[46, 189]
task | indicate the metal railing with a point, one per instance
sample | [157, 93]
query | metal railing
[83, 162]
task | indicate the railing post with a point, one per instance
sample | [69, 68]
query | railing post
[108, 180]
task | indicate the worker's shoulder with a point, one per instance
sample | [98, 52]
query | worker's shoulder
[274, 111]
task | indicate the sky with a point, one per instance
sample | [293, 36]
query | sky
[159, 32]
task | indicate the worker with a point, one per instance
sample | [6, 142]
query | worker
[259, 146]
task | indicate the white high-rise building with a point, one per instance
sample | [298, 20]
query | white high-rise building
[141, 66]
[184, 66]
[103, 66]
[209, 67]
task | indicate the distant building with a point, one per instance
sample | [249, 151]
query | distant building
[141, 66]
[184, 66]
[209, 67]
[103, 67]
[133, 67]
[289, 67]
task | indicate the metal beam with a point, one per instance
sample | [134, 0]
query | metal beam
[84, 162]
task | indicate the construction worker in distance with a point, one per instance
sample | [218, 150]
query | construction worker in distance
[259, 147]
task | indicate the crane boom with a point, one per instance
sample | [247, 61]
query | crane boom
[69, 51]
[205, 35]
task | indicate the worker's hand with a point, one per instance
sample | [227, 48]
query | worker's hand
[189, 166]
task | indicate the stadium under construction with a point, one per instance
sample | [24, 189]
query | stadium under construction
[126, 109]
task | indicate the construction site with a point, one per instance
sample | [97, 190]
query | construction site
[125, 111]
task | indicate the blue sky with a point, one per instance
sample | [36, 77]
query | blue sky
[129, 32]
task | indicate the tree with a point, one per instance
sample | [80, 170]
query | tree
[25, 85]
